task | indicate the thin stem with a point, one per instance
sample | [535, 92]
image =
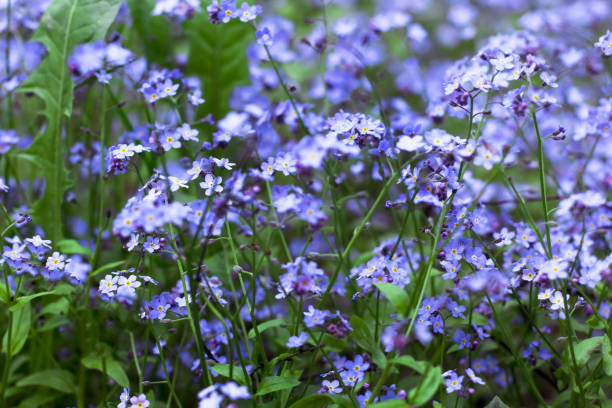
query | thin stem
[542, 182]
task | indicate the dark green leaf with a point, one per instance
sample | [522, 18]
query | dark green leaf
[38, 400]
[396, 295]
[428, 386]
[217, 55]
[606, 355]
[496, 402]
[322, 400]
[265, 326]
[20, 327]
[275, 383]
[65, 24]
[60, 380]
[361, 333]
[113, 368]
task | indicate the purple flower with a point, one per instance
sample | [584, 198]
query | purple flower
[263, 36]
[139, 401]
[452, 381]
[331, 387]
[314, 317]
[211, 184]
[297, 341]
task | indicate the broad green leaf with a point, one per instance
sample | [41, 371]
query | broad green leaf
[427, 387]
[265, 326]
[496, 402]
[584, 349]
[409, 361]
[24, 300]
[361, 333]
[276, 383]
[113, 368]
[364, 339]
[20, 327]
[313, 401]
[72, 246]
[60, 306]
[217, 55]
[65, 24]
[396, 403]
[224, 370]
[322, 400]
[396, 295]
[60, 380]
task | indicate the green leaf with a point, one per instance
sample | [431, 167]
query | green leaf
[60, 380]
[217, 55]
[428, 386]
[65, 24]
[361, 333]
[224, 370]
[409, 361]
[396, 295]
[606, 356]
[57, 307]
[106, 267]
[265, 326]
[72, 246]
[5, 294]
[152, 32]
[364, 339]
[584, 349]
[276, 383]
[322, 400]
[24, 300]
[20, 327]
[113, 368]
[38, 400]
[496, 402]
[396, 403]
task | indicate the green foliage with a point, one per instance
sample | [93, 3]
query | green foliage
[217, 56]
[396, 403]
[265, 326]
[112, 367]
[496, 402]
[275, 383]
[20, 327]
[60, 380]
[364, 339]
[65, 24]
[396, 295]
[427, 387]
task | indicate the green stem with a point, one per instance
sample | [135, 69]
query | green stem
[542, 182]
[355, 236]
